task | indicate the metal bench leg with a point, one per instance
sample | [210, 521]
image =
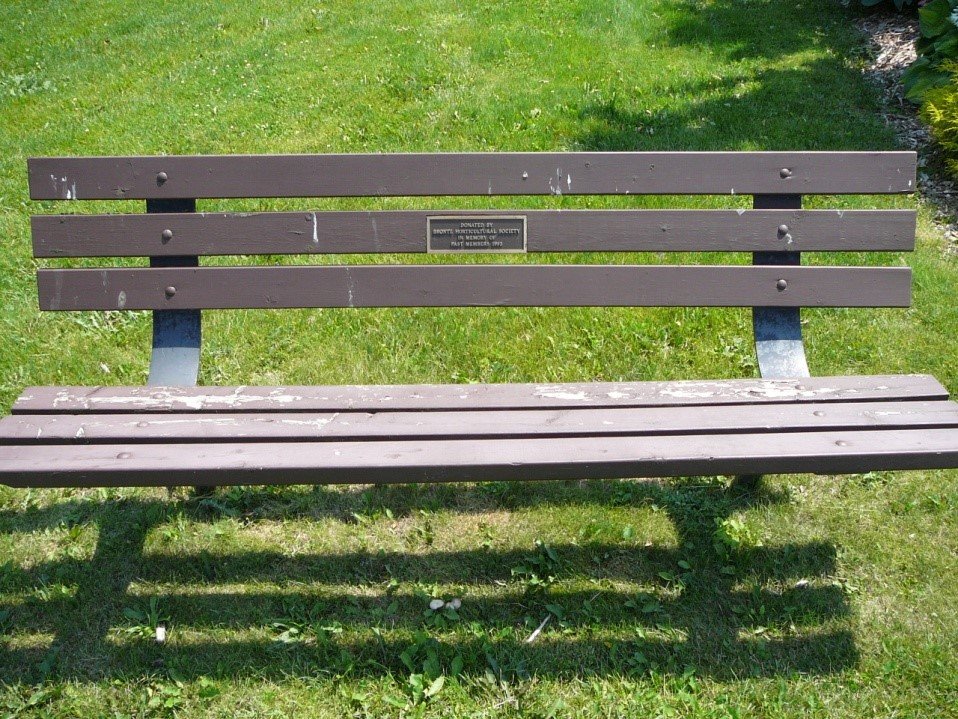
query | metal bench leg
[778, 330]
[176, 348]
[778, 340]
[176, 333]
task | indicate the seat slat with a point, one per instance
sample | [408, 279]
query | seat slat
[473, 424]
[438, 397]
[473, 285]
[266, 233]
[547, 173]
[474, 460]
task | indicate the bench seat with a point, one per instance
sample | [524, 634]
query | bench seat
[167, 436]
[170, 432]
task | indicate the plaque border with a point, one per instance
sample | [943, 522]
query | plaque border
[511, 251]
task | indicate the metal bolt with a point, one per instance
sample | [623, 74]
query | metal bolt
[170, 291]
[124, 455]
[781, 285]
[167, 235]
[782, 230]
[841, 443]
[784, 173]
[525, 175]
[161, 178]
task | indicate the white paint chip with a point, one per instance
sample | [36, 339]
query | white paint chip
[557, 393]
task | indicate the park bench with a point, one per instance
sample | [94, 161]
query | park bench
[172, 432]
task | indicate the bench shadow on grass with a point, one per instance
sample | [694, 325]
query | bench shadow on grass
[778, 614]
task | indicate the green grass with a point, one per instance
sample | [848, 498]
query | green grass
[829, 596]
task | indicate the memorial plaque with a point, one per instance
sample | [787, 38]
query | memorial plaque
[476, 233]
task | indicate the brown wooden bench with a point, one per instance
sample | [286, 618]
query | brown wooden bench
[174, 433]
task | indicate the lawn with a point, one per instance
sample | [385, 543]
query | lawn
[815, 596]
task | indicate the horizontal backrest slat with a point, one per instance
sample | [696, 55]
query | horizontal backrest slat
[472, 285]
[406, 231]
[433, 174]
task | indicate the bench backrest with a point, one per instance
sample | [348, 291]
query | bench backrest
[174, 236]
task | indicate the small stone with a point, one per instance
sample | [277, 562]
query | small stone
[436, 604]
[455, 603]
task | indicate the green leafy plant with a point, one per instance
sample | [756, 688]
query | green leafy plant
[305, 625]
[25, 700]
[20, 84]
[165, 697]
[145, 620]
[731, 536]
[899, 4]
[444, 615]
[940, 111]
[426, 678]
[938, 21]
[538, 570]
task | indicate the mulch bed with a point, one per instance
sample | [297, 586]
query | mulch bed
[891, 48]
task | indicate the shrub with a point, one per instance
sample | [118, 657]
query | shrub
[938, 44]
[940, 111]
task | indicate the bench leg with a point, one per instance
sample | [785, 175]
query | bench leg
[778, 330]
[177, 334]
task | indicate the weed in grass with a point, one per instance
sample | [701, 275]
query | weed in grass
[24, 701]
[539, 570]
[146, 621]
[423, 532]
[164, 698]
[487, 535]
[426, 679]
[732, 536]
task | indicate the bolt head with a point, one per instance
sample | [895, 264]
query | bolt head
[167, 235]
[783, 230]
[161, 177]
[785, 173]
[525, 175]
[170, 291]
[781, 285]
